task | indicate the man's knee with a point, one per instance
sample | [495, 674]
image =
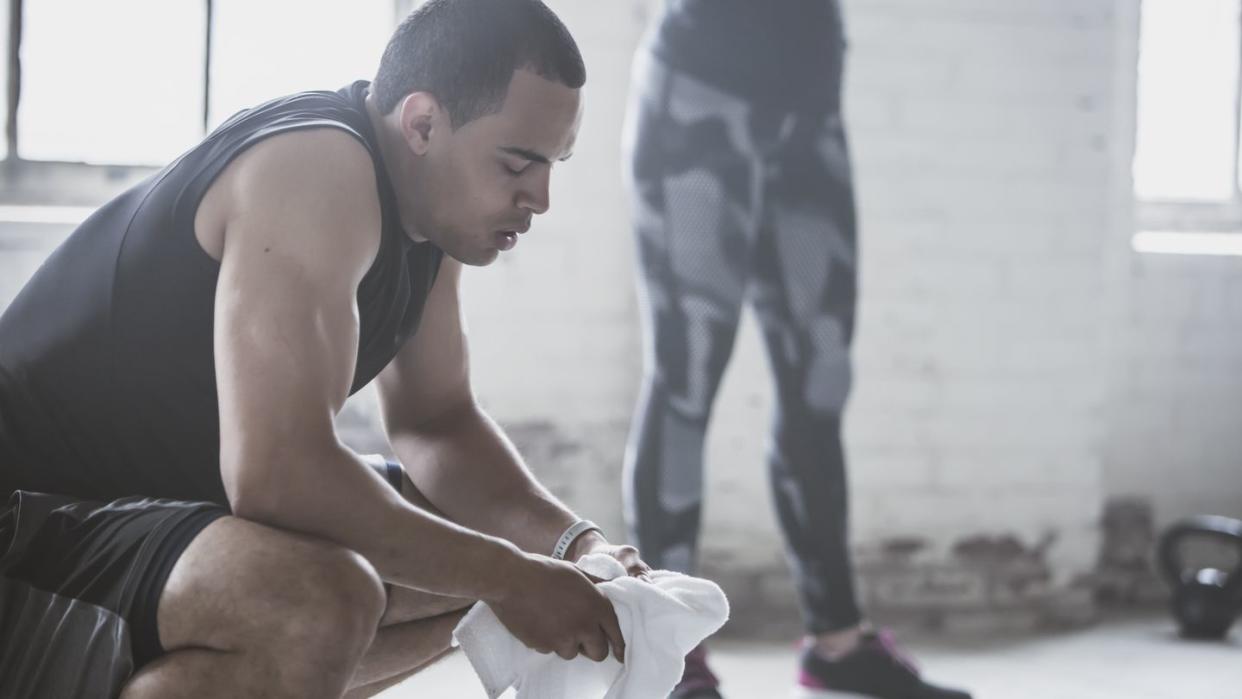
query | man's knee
[325, 626]
[241, 583]
[340, 594]
[294, 613]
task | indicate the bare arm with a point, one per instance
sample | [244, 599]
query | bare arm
[455, 454]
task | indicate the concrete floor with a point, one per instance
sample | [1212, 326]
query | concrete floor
[1136, 658]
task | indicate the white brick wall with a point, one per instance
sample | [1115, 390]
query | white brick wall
[984, 201]
[1173, 430]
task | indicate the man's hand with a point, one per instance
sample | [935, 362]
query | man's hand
[628, 556]
[552, 607]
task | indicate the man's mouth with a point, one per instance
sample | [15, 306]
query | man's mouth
[505, 240]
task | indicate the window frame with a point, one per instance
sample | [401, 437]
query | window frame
[1178, 215]
[59, 183]
[78, 184]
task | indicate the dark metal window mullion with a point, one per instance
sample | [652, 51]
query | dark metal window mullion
[207, 69]
[14, 63]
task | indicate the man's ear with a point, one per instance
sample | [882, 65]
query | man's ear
[422, 119]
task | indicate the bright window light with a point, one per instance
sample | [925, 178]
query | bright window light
[64, 215]
[269, 48]
[1188, 243]
[1187, 97]
[116, 82]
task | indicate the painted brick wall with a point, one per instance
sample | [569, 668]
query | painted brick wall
[983, 156]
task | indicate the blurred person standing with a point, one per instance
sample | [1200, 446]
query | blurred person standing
[741, 190]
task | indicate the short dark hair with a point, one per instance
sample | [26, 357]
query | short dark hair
[465, 51]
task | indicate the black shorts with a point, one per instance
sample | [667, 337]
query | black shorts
[80, 584]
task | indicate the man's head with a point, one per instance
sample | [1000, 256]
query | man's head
[485, 97]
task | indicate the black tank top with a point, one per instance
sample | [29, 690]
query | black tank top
[107, 375]
[784, 53]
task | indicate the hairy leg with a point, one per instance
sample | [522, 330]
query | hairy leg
[249, 610]
[402, 650]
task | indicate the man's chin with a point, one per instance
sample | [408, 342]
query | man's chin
[474, 258]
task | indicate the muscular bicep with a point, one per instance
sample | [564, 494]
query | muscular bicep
[298, 239]
[430, 376]
[284, 345]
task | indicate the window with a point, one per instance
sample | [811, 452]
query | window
[134, 82]
[1186, 165]
[266, 49]
[111, 82]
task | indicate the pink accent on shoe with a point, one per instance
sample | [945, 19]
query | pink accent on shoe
[889, 643]
[806, 679]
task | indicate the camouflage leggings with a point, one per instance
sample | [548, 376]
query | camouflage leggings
[735, 202]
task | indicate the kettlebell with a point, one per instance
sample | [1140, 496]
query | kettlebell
[1206, 601]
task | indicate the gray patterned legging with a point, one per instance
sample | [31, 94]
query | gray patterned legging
[731, 199]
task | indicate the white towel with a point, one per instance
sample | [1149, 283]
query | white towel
[661, 621]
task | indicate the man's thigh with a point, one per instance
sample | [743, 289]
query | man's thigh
[240, 580]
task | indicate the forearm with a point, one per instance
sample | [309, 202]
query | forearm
[469, 470]
[329, 493]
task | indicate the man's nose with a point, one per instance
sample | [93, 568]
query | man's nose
[534, 196]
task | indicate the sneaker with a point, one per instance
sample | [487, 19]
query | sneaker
[697, 680]
[877, 669]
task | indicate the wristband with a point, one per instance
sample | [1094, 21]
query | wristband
[575, 530]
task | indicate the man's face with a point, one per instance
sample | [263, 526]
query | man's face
[488, 178]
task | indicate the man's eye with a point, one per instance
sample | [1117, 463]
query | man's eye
[513, 170]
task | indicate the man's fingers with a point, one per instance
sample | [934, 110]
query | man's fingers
[612, 629]
[594, 647]
[628, 555]
[635, 567]
[638, 570]
[568, 651]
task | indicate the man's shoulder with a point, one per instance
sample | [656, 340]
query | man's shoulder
[310, 192]
[323, 173]
[301, 181]
[331, 157]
